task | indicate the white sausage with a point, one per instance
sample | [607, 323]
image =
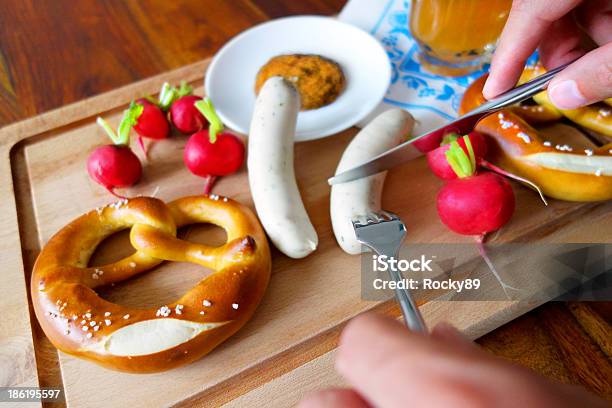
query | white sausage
[358, 197]
[271, 174]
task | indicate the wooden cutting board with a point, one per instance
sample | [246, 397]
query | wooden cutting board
[287, 348]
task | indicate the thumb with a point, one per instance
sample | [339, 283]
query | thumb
[586, 81]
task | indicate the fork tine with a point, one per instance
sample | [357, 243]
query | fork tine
[392, 216]
[385, 215]
[359, 221]
[371, 218]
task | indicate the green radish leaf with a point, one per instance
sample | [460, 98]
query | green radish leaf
[450, 158]
[130, 118]
[461, 157]
[168, 100]
[109, 131]
[167, 96]
[459, 161]
[163, 91]
[207, 109]
[185, 89]
[470, 150]
[448, 138]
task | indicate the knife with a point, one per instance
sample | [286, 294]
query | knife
[463, 125]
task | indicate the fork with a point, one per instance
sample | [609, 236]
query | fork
[384, 232]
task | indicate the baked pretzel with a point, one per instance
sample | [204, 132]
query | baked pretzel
[558, 170]
[596, 117]
[535, 114]
[79, 322]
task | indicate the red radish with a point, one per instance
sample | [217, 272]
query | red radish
[183, 114]
[437, 158]
[211, 154]
[116, 165]
[152, 123]
[474, 203]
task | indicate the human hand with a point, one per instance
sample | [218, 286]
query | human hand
[389, 366]
[557, 28]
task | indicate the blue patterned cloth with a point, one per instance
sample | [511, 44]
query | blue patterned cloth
[432, 99]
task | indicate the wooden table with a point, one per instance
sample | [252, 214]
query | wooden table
[56, 52]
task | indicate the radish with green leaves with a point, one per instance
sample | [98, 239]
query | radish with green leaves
[474, 203]
[152, 122]
[116, 165]
[439, 165]
[183, 113]
[211, 153]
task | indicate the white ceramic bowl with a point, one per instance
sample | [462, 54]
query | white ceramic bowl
[230, 79]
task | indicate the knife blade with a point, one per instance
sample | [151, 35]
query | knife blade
[463, 125]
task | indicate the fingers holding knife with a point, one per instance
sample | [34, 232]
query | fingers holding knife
[557, 28]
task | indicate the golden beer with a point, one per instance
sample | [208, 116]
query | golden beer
[457, 36]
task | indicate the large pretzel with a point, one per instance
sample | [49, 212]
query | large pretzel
[596, 117]
[559, 170]
[79, 322]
